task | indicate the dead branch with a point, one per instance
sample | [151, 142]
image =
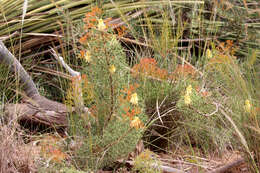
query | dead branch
[228, 166]
[36, 108]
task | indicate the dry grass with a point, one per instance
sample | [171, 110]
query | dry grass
[15, 155]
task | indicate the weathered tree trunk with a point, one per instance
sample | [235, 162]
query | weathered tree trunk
[7, 58]
[36, 108]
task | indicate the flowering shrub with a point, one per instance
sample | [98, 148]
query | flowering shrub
[116, 121]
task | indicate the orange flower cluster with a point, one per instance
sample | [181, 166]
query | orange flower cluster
[128, 92]
[93, 20]
[51, 149]
[107, 20]
[91, 17]
[90, 20]
[130, 111]
[183, 71]
[202, 92]
[148, 67]
[120, 31]
[82, 53]
[227, 47]
[84, 38]
[225, 53]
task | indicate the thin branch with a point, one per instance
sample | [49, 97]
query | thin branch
[157, 108]
[119, 22]
[158, 111]
[77, 89]
[43, 34]
[64, 64]
[9, 36]
[217, 107]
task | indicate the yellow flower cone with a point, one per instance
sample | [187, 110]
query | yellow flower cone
[87, 57]
[188, 90]
[101, 25]
[136, 123]
[134, 99]
[112, 69]
[187, 99]
[247, 106]
[209, 54]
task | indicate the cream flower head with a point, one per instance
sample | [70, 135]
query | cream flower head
[247, 106]
[134, 99]
[188, 90]
[87, 57]
[112, 69]
[101, 25]
[136, 123]
[209, 54]
[187, 99]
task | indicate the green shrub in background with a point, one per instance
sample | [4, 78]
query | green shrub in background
[211, 115]
[215, 118]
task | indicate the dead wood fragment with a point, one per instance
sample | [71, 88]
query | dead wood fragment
[28, 113]
[228, 166]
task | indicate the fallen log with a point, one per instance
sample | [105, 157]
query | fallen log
[35, 108]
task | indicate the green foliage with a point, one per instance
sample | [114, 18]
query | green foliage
[146, 162]
[202, 127]
[109, 132]
[116, 142]
[221, 109]
[70, 170]
[6, 79]
[186, 46]
[227, 78]
[62, 168]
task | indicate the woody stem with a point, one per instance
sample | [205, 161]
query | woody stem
[111, 85]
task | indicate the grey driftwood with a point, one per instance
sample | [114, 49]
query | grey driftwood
[35, 107]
